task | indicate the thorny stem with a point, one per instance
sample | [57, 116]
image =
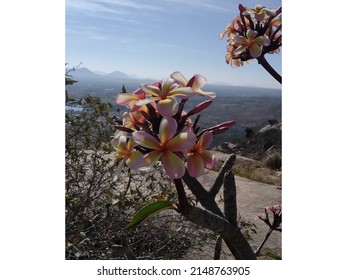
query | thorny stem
[263, 62]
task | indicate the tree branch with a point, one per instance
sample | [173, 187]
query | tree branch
[227, 165]
[228, 230]
[229, 194]
[263, 62]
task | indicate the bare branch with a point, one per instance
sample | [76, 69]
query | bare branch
[228, 164]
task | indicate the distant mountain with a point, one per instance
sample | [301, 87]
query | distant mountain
[116, 79]
[118, 75]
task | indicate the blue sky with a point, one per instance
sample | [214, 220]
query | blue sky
[152, 39]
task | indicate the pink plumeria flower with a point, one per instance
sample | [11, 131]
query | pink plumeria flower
[234, 27]
[251, 42]
[165, 94]
[166, 147]
[125, 154]
[130, 99]
[199, 157]
[196, 83]
[260, 12]
[130, 120]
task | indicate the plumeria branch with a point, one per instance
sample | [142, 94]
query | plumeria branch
[252, 34]
[263, 62]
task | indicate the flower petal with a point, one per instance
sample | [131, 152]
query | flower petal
[240, 50]
[262, 40]
[182, 92]
[167, 129]
[195, 165]
[240, 40]
[125, 98]
[122, 143]
[152, 90]
[255, 50]
[151, 158]
[135, 161]
[146, 140]
[179, 78]
[148, 100]
[251, 34]
[167, 107]
[197, 82]
[209, 159]
[173, 165]
[182, 142]
[205, 140]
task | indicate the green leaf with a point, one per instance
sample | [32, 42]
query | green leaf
[149, 210]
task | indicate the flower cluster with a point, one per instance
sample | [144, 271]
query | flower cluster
[253, 33]
[276, 211]
[157, 128]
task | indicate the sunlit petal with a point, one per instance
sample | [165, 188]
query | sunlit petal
[148, 100]
[115, 140]
[208, 94]
[122, 143]
[182, 92]
[173, 165]
[195, 165]
[119, 169]
[167, 107]
[179, 78]
[135, 161]
[150, 89]
[151, 158]
[197, 82]
[240, 50]
[205, 140]
[209, 159]
[146, 140]
[182, 142]
[125, 98]
[167, 129]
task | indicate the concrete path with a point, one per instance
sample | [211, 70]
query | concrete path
[252, 198]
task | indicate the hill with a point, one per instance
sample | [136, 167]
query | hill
[248, 106]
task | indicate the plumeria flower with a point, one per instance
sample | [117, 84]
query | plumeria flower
[166, 147]
[125, 154]
[233, 28]
[276, 217]
[130, 99]
[196, 83]
[199, 157]
[130, 120]
[260, 12]
[251, 42]
[165, 94]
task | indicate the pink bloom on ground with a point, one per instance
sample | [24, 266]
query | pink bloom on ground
[251, 42]
[166, 147]
[199, 157]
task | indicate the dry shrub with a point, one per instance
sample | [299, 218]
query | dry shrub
[273, 160]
